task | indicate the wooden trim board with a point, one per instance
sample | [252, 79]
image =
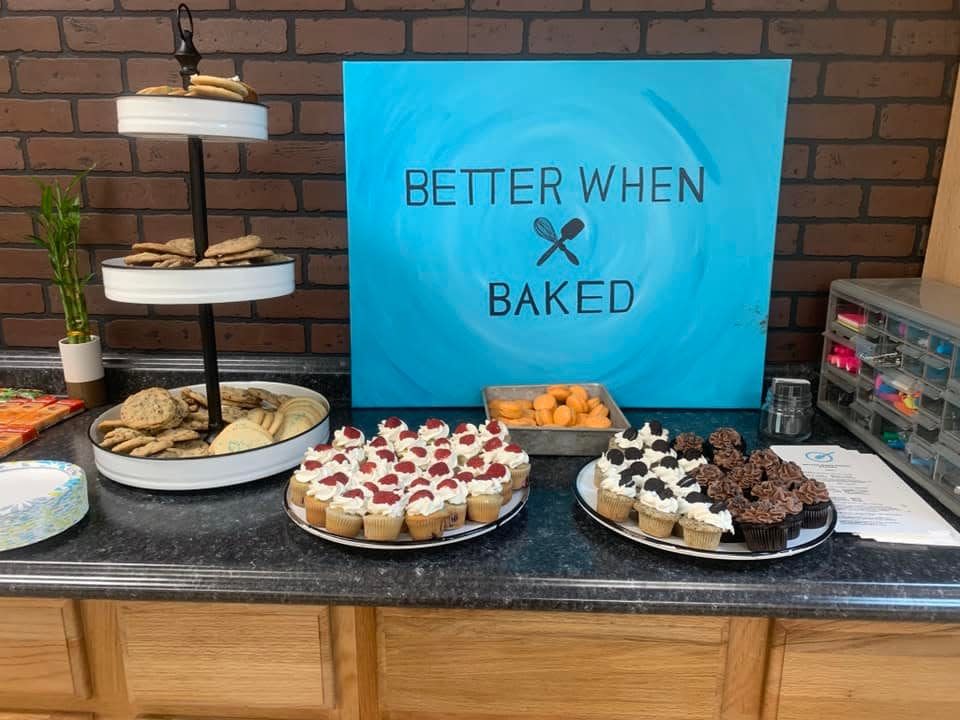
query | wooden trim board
[942, 260]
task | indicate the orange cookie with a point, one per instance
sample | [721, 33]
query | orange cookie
[560, 392]
[593, 402]
[544, 402]
[510, 409]
[598, 421]
[600, 411]
[563, 415]
[580, 392]
[545, 416]
[525, 404]
[576, 403]
[520, 422]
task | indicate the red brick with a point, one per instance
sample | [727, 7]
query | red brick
[11, 154]
[908, 5]
[739, 36]
[137, 193]
[926, 37]
[808, 275]
[168, 5]
[77, 5]
[290, 156]
[33, 262]
[311, 5]
[548, 5]
[914, 121]
[347, 36]
[222, 310]
[486, 35]
[817, 120]
[830, 37]
[119, 34]
[779, 314]
[69, 75]
[256, 337]
[321, 117]
[875, 162]
[97, 303]
[37, 332]
[4, 75]
[279, 117]
[820, 200]
[786, 241]
[248, 194]
[146, 72]
[108, 229]
[804, 77]
[321, 233]
[811, 312]
[21, 298]
[235, 35]
[293, 77]
[795, 161]
[392, 5]
[327, 269]
[888, 269]
[878, 239]
[584, 36]
[884, 79]
[153, 335]
[894, 201]
[98, 116]
[29, 33]
[770, 5]
[79, 153]
[328, 338]
[160, 228]
[35, 116]
[320, 303]
[784, 346]
[21, 191]
[14, 226]
[171, 156]
[323, 195]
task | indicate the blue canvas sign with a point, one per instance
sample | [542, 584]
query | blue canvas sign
[561, 221]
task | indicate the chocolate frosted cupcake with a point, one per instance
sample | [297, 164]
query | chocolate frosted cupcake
[788, 474]
[687, 441]
[726, 438]
[728, 458]
[723, 489]
[816, 503]
[736, 506]
[791, 505]
[763, 527]
[706, 474]
[766, 459]
[765, 490]
[746, 476]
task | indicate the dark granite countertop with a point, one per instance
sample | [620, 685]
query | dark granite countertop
[237, 544]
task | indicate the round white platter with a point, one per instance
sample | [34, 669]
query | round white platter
[469, 530]
[213, 471]
[39, 499]
[196, 286]
[586, 494]
[162, 117]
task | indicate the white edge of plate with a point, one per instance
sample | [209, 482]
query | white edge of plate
[210, 119]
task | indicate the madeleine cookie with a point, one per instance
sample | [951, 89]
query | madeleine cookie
[213, 93]
[233, 246]
[153, 408]
[239, 436]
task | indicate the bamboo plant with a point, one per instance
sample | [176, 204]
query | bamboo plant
[58, 232]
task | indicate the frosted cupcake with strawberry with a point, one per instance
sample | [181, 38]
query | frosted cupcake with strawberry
[348, 437]
[406, 471]
[390, 428]
[384, 516]
[425, 515]
[518, 462]
[453, 493]
[418, 455]
[345, 513]
[439, 471]
[319, 496]
[308, 472]
[433, 429]
[501, 473]
[406, 440]
[484, 498]
[466, 446]
[493, 429]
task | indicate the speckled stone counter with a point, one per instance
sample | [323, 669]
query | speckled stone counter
[237, 544]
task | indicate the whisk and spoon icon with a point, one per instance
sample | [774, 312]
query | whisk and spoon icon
[544, 228]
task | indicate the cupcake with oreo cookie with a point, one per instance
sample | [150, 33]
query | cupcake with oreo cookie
[615, 497]
[653, 430]
[704, 526]
[657, 508]
[690, 459]
[656, 451]
[668, 470]
[629, 438]
[609, 463]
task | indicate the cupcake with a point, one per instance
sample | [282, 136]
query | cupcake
[683, 489]
[816, 503]
[308, 472]
[502, 474]
[766, 460]
[405, 471]
[610, 463]
[616, 496]
[687, 500]
[493, 429]
[657, 508]
[736, 506]
[444, 455]
[369, 470]
[706, 474]
[321, 453]
[465, 446]
[453, 493]
[425, 515]
[439, 471]
[434, 429]
[765, 490]
[626, 439]
[347, 436]
[388, 457]
[688, 441]
[657, 451]
[723, 489]
[390, 482]
[406, 440]
[726, 438]
[484, 498]
[390, 428]
[728, 458]
[637, 471]
[518, 462]
[477, 465]
[418, 455]
[345, 513]
[746, 476]
[375, 444]
[789, 475]
[668, 470]
[491, 448]
[651, 431]
[704, 526]
[465, 428]
[318, 497]
[690, 460]
[763, 527]
[790, 504]
[384, 516]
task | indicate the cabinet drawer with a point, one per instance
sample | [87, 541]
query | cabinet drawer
[459, 663]
[44, 716]
[863, 671]
[263, 658]
[41, 648]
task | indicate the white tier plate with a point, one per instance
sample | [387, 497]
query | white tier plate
[469, 530]
[202, 473]
[39, 499]
[586, 494]
[196, 286]
[157, 116]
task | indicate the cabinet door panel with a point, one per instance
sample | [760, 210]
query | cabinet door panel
[44, 716]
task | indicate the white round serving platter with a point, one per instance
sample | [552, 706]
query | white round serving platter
[196, 286]
[212, 471]
[586, 494]
[162, 117]
[469, 530]
[39, 499]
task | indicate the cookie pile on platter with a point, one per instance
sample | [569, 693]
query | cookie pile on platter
[157, 423]
[706, 490]
[210, 87]
[181, 253]
[424, 481]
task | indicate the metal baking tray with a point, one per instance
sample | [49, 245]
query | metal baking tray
[558, 441]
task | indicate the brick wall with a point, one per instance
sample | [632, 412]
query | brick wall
[868, 116]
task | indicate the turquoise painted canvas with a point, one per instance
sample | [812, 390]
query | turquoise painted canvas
[557, 221]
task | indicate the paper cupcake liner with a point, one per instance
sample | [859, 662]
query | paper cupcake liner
[343, 524]
[316, 511]
[700, 535]
[426, 527]
[484, 508]
[815, 516]
[506, 491]
[519, 476]
[597, 476]
[793, 523]
[656, 523]
[456, 515]
[614, 506]
[382, 527]
[298, 492]
[760, 538]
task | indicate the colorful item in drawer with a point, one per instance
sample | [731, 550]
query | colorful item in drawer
[906, 401]
[844, 358]
[894, 440]
[853, 320]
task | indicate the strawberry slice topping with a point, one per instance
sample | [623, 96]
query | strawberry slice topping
[494, 427]
[393, 422]
[439, 468]
[434, 423]
[442, 454]
[385, 497]
[493, 444]
[477, 463]
[387, 455]
[463, 476]
[352, 432]
[420, 452]
[329, 481]
[420, 482]
[442, 442]
[371, 486]
[312, 465]
[340, 458]
[450, 482]
[378, 442]
[340, 478]
[321, 447]
[497, 470]
[421, 494]
[461, 428]
[405, 467]
[514, 448]
[389, 479]
[469, 439]
[356, 492]
[368, 468]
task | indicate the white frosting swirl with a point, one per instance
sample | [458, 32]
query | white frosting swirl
[390, 434]
[512, 458]
[484, 486]
[429, 434]
[349, 504]
[667, 505]
[394, 509]
[648, 436]
[703, 513]
[466, 449]
[612, 483]
[685, 507]
[454, 495]
[688, 465]
[651, 456]
[324, 493]
[668, 475]
[308, 476]
[425, 505]
[341, 440]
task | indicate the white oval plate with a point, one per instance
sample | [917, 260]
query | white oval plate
[213, 471]
[469, 530]
[162, 117]
[39, 499]
[586, 495]
[196, 286]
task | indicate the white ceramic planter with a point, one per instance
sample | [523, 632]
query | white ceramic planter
[82, 362]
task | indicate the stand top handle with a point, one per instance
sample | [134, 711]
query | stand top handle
[186, 53]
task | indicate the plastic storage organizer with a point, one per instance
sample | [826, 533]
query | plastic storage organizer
[891, 374]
